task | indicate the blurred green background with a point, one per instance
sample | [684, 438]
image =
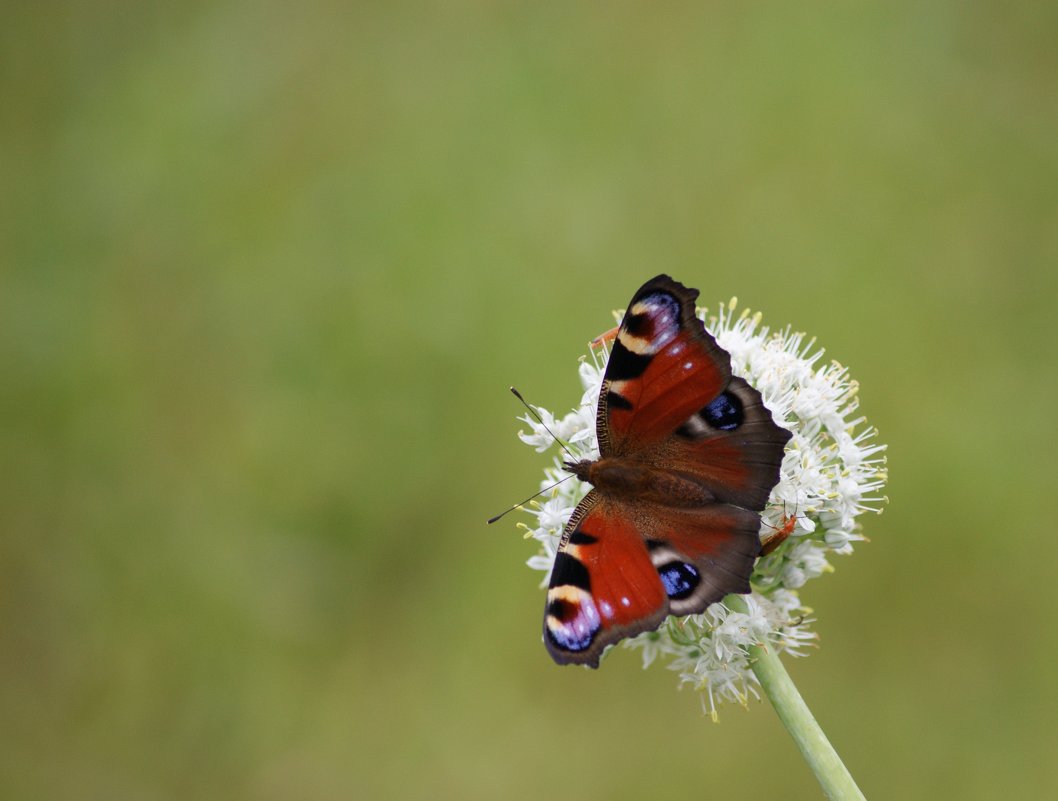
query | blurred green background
[267, 272]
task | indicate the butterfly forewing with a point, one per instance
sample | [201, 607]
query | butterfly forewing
[663, 368]
[603, 587]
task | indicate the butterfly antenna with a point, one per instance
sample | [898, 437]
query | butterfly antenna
[533, 412]
[492, 520]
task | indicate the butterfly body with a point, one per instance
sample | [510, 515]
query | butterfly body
[634, 480]
[688, 457]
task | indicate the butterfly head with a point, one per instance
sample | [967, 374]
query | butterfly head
[581, 469]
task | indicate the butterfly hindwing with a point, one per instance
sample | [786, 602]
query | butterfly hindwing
[731, 446]
[702, 553]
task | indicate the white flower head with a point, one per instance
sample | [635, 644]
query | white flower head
[833, 471]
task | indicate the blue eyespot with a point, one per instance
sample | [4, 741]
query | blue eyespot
[724, 412]
[679, 578]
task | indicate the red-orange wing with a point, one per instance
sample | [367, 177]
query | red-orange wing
[603, 585]
[668, 399]
[663, 368]
[623, 568]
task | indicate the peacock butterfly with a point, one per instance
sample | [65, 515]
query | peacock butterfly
[688, 457]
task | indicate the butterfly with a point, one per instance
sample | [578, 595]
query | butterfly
[688, 455]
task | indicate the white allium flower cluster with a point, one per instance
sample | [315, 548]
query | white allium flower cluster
[832, 472]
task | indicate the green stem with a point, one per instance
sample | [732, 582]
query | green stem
[795, 715]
